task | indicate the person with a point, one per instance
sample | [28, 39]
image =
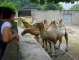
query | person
[6, 17]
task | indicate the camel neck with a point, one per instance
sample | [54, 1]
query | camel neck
[26, 25]
[41, 29]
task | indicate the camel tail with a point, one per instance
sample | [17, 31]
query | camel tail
[66, 34]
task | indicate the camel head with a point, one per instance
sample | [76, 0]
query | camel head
[54, 24]
[38, 24]
[45, 21]
[24, 32]
[61, 23]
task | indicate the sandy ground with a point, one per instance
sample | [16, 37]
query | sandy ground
[73, 40]
[73, 32]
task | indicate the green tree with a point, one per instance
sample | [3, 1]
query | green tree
[8, 4]
[51, 6]
[60, 7]
[34, 3]
[27, 3]
[52, 1]
[75, 7]
[18, 5]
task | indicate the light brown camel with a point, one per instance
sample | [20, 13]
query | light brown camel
[53, 33]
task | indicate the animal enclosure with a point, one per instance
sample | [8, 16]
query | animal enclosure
[70, 18]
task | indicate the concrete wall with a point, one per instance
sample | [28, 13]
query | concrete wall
[49, 15]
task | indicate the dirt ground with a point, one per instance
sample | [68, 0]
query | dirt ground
[73, 41]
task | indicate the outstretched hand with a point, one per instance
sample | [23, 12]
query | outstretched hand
[16, 34]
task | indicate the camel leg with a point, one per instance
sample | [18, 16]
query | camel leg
[50, 48]
[55, 48]
[37, 38]
[46, 45]
[43, 43]
[60, 41]
[66, 37]
[66, 46]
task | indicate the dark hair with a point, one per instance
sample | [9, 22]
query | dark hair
[1, 8]
[7, 12]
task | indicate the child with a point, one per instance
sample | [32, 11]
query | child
[6, 17]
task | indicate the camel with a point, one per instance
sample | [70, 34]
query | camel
[46, 27]
[53, 34]
[29, 29]
[63, 30]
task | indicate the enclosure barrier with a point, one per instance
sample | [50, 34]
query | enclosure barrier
[12, 49]
[60, 55]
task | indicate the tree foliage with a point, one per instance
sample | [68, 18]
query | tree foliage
[8, 4]
[37, 3]
[52, 1]
[29, 4]
[19, 3]
[75, 7]
[51, 6]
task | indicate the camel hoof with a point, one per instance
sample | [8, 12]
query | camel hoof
[49, 52]
[43, 46]
[57, 48]
[46, 49]
[66, 50]
[55, 56]
[50, 55]
[37, 41]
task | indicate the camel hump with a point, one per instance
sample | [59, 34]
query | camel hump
[60, 20]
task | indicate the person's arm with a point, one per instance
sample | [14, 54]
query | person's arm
[6, 35]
